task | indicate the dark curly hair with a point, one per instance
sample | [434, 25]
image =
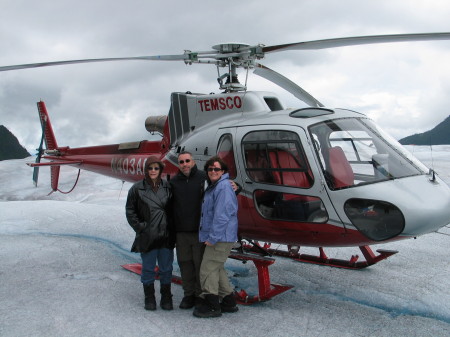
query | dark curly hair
[212, 160]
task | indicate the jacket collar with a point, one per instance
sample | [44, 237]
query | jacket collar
[143, 184]
[193, 172]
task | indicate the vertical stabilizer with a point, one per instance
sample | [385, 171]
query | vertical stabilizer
[50, 143]
[49, 136]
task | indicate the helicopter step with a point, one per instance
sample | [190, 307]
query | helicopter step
[266, 289]
[293, 253]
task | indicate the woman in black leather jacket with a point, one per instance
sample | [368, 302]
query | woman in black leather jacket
[147, 214]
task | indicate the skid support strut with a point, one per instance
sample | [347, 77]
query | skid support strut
[266, 289]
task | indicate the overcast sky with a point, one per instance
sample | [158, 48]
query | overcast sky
[403, 87]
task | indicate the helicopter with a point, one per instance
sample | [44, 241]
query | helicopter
[311, 176]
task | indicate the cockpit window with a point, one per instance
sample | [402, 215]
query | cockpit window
[276, 157]
[355, 151]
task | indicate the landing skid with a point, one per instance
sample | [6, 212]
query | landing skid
[137, 269]
[260, 255]
[267, 290]
[293, 253]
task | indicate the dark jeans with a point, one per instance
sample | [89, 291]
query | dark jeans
[164, 256]
[189, 256]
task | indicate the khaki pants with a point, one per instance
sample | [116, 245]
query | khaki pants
[213, 277]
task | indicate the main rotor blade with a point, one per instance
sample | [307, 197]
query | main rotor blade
[286, 84]
[181, 57]
[357, 40]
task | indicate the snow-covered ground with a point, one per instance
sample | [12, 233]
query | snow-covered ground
[60, 273]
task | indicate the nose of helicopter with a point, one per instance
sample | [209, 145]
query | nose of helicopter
[407, 207]
[424, 203]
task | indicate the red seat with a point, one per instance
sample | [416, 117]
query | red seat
[256, 160]
[341, 172]
[285, 160]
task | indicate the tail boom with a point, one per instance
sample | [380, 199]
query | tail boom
[125, 161]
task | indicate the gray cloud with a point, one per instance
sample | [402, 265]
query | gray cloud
[402, 86]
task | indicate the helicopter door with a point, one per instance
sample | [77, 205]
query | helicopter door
[281, 178]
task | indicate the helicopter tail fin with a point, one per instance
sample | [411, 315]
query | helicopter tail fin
[52, 152]
[47, 129]
[50, 141]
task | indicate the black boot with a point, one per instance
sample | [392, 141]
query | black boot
[228, 304]
[166, 297]
[187, 302]
[198, 301]
[209, 308]
[150, 301]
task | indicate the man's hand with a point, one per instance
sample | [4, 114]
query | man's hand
[236, 187]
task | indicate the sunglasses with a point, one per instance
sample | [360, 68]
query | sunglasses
[215, 169]
[153, 168]
[181, 162]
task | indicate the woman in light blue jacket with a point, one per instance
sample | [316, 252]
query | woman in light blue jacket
[218, 230]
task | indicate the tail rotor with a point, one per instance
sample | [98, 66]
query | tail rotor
[39, 155]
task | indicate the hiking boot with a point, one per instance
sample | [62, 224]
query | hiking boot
[150, 301]
[166, 297]
[210, 307]
[187, 302]
[228, 304]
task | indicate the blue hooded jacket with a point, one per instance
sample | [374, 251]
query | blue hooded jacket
[219, 213]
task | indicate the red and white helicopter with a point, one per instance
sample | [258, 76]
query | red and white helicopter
[314, 176]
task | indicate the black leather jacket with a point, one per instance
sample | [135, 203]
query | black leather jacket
[147, 213]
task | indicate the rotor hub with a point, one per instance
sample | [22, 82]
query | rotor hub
[230, 47]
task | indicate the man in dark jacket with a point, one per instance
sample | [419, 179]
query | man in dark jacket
[187, 192]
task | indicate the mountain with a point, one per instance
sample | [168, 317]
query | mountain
[440, 135]
[10, 147]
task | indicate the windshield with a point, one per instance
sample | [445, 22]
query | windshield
[354, 151]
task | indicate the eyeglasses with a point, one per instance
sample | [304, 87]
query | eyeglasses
[153, 168]
[181, 162]
[215, 169]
